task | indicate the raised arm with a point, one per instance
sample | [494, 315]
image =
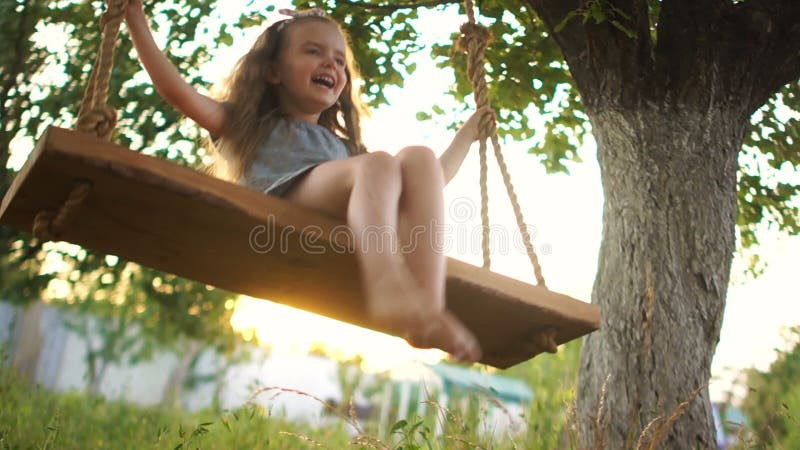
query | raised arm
[452, 158]
[207, 112]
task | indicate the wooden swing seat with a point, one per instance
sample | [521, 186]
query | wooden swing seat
[178, 220]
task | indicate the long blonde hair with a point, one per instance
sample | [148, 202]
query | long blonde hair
[253, 106]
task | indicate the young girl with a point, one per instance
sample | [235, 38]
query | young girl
[288, 125]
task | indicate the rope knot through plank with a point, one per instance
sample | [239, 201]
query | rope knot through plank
[48, 225]
[94, 117]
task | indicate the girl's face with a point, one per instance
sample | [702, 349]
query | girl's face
[310, 74]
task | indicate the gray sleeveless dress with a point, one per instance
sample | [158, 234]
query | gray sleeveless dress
[293, 148]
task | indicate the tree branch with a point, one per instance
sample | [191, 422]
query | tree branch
[397, 7]
[773, 37]
[642, 20]
[608, 59]
[552, 13]
[571, 38]
[684, 41]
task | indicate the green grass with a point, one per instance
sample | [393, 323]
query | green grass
[34, 418]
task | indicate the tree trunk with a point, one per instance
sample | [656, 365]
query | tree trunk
[669, 179]
[173, 390]
[28, 341]
[96, 381]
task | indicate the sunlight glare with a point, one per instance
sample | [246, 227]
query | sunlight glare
[286, 330]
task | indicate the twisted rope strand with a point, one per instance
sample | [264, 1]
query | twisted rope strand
[48, 225]
[475, 38]
[95, 116]
[485, 228]
[523, 227]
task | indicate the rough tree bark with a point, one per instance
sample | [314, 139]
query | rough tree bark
[669, 115]
[668, 240]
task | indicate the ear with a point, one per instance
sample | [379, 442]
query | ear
[272, 76]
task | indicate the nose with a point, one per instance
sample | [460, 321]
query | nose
[330, 61]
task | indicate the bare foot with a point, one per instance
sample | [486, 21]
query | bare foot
[397, 302]
[445, 331]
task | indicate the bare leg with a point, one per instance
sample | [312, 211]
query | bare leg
[372, 214]
[421, 212]
[404, 291]
[421, 215]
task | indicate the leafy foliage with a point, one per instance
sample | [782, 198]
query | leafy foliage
[528, 83]
[772, 405]
[600, 11]
[550, 417]
[770, 152]
[531, 87]
[53, 45]
[135, 310]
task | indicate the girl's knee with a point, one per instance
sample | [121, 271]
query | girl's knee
[417, 154]
[379, 162]
[419, 158]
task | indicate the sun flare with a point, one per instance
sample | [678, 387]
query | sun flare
[284, 329]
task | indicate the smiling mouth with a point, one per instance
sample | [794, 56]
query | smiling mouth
[324, 80]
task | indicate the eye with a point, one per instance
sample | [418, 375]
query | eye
[340, 62]
[312, 51]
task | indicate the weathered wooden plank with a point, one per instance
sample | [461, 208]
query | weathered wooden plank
[178, 220]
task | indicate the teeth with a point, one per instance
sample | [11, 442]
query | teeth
[324, 79]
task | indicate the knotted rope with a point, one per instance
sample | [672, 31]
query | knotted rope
[475, 38]
[94, 117]
[48, 225]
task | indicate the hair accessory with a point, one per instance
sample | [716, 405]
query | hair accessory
[294, 14]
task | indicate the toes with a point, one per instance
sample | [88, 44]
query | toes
[446, 332]
[465, 344]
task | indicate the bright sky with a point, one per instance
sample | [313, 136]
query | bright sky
[564, 210]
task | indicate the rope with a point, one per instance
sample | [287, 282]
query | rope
[95, 116]
[475, 38]
[545, 340]
[48, 225]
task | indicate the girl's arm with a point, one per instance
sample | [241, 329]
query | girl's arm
[207, 112]
[452, 158]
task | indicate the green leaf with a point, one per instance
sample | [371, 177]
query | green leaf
[399, 425]
[628, 32]
[596, 12]
[560, 26]
[225, 38]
